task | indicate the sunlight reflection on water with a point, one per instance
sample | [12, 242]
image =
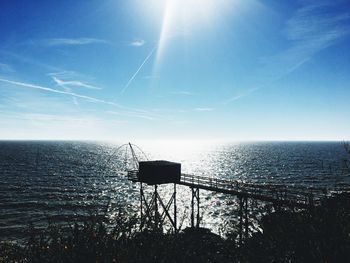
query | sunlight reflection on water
[61, 181]
[316, 164]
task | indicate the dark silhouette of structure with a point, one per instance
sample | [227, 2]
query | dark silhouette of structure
[155, 211]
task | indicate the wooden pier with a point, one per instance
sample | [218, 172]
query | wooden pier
[155, 210]
[277, 195]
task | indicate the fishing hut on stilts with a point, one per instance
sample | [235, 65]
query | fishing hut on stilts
[155, 210]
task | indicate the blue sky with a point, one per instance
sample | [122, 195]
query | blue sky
[175, 69]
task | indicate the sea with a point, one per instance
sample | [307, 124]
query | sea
[61, 182]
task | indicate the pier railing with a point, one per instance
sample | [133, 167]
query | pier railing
[276, 193]
[294, 196]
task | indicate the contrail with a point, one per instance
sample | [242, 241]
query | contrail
[137, 71]
[32, 86]
[75, 95]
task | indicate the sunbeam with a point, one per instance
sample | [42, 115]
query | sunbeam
[185, 16]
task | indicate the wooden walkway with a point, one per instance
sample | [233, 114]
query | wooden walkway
[281, 195]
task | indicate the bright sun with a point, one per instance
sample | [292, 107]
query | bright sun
[183, 16]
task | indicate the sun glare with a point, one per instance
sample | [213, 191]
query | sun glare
[184, 16]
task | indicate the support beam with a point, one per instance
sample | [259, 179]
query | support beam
[195, 198]
[166, 210]
[156, 213]
[148, 216]
[153, 213]
[141, 206]
[198, 219]
[175, 210]
[243, 219]
[192, 209]
[240, 220]
[246, 222]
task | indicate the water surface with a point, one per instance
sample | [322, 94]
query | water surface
[42, 181]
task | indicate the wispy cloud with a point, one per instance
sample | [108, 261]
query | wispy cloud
[133, 114]
[314, 26]
[169, 110]
[6, 68]
[137, 43]
[41, 117]
[138, 70]
[46, 89]
[203, 109]
[56, 118]
[240, 96]
[73, 83]
[182, 93]
[29, 60]
[79, 96]
[50, 42]
[317, 20]
[181, 111]
[69, 75]
[64, 80]
[53, 121]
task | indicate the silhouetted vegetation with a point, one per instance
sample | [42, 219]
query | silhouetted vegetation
[318, 235]
[321, 234]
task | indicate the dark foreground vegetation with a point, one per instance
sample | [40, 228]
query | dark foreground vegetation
[318, 235]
